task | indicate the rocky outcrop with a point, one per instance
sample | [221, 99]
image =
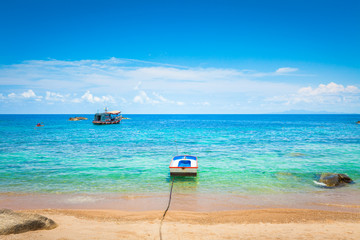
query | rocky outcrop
[12, 222]
[77, 118]
[334, 179]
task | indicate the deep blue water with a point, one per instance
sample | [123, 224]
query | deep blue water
[236, 153]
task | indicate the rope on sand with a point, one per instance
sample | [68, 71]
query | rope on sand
[163, 217]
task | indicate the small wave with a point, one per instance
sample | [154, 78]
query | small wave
[82, 199]
[320, 184]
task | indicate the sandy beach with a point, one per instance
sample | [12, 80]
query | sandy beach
[243, 224]
[191, 216]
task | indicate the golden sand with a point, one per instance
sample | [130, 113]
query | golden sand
[242, 224]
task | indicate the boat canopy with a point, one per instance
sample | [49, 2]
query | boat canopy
[114, 112]
[184, 157]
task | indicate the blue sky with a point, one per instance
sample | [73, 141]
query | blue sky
[179, 56]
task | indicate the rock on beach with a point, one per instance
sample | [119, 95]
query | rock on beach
[13, 222]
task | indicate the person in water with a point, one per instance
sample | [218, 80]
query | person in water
[39, 125]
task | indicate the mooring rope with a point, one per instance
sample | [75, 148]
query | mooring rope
[177, 152]
[163, 217]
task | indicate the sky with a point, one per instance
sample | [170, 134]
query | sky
[187, 57]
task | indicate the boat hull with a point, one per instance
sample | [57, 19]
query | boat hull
[183, 174]
[105, 123]
[180, 171]
[183, 165]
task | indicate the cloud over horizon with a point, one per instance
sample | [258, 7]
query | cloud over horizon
[324, 94]
[133, 84]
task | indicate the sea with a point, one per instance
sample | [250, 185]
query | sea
[245, 155]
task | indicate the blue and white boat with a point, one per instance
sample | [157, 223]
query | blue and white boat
[183, 165]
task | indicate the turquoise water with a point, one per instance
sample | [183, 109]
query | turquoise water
[245, 154]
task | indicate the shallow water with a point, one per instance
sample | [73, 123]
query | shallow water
[238, 154]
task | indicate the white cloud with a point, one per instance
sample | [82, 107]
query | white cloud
[11, 95]
[126, 78]
[331, 93]
[52, 96]
[161, 98]
[168, 86]
[330, 89]
[286, 70]
[117, 76]
[88, 97]
[143, 98]
[29, 94]
[139, 98]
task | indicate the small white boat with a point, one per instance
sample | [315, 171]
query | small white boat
[183, 165]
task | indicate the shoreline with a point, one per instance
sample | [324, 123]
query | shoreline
[331, 200]
[270, 223]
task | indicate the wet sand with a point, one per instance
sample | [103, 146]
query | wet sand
[330, 200]
[242, 224]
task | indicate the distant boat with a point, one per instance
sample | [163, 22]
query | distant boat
[183, 165]
[111, 117]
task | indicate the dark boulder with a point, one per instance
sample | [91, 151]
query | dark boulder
[345, 178]
[13, 222]
[334, 179]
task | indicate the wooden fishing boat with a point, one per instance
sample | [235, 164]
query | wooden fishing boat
[105, 118]
[183, 165]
